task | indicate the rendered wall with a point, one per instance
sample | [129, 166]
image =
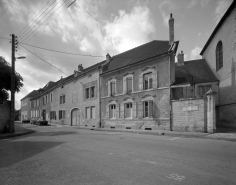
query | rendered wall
[227, 87]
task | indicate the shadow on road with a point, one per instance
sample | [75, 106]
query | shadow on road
[56, 133]
[13, 151]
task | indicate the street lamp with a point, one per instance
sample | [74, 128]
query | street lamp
[13, 86]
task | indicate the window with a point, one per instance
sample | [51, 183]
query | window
[46, 99]
[148, 109]
[53, 115]
[90, 92]
[93, 112]
[112, 86]
[62, 99]
[87, 112]
[129, 84]
[147, 81]
[50, 97]
[202, 90]
[219, 55]
[112, 111]
[62, 114]
[128, 110]
[90, 112]
[87, 93]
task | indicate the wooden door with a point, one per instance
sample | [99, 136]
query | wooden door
[75, 117]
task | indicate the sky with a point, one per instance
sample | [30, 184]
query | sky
[92, 28]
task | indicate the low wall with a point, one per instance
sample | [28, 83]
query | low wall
[5, 115]
[189, 115]
[144, 124]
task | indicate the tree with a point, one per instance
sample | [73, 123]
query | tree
[5, 79]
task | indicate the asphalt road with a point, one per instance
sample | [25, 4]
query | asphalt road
[63, 155]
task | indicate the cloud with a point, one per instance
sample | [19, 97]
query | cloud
[203, 3]
[166, 6]
[221, 8]
[195, 53]
[128, 30]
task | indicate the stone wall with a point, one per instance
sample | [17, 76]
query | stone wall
[189, 115]
[5, 112]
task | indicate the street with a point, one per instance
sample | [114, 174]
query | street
[67, 155]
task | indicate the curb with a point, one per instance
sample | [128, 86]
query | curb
[16, 134]
[161, 132]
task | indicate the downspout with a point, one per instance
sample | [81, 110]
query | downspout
[170, 91]
[99, 99]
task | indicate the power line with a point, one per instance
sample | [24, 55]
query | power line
[45, 19]
[33, 19]
[38, 22]
[5, 38]
[59, 51]
[55, 16]
[44, 60]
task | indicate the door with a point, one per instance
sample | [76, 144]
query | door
[75, 117]
[44, 115]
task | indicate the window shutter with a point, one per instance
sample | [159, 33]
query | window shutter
[109, 88]
[155, 82]
[122, 111]
[107, 111]
[124, 85]
[117, 111]
[140, 110]
[140, 82]
[134, 105]
[150, 109]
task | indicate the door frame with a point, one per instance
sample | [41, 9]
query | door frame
[71, 117]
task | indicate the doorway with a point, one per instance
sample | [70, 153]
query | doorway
[75, 117]
[44, 115]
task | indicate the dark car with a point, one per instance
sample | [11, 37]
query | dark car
[25, 121]
[41, 122]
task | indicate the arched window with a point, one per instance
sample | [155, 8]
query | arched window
[219, 55]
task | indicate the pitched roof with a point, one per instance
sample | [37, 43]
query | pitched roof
[31, 94]
[137, 54]
[194, 71]
[232, 6]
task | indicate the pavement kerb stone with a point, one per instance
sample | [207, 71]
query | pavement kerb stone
[27, 131]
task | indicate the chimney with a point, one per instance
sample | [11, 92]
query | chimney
[108, 58]
[80, 68]
[171, 30]
[180, 58]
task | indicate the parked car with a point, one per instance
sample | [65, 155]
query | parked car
[39, 122]
[25, 121]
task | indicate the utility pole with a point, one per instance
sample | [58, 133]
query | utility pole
[13, 84]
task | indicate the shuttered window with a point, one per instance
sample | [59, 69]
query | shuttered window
[113, 86]
[112, 111]
[129, 84]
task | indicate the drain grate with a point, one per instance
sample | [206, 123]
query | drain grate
[128, 127]
[148, 128]
[113, 127]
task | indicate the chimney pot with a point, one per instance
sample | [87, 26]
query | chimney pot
[80, 68]
[180, 58]
[108, 58]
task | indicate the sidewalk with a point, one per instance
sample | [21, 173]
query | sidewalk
[19, 131]
[230, 136]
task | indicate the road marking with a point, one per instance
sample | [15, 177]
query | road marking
[176, 177]
[151, 162]
[110, 153]
[175, 138]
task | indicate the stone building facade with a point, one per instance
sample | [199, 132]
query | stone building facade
[220, 53]
[135, 86]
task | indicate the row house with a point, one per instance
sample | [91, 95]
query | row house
[73, 100]
[26, 105]
[135, 85]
